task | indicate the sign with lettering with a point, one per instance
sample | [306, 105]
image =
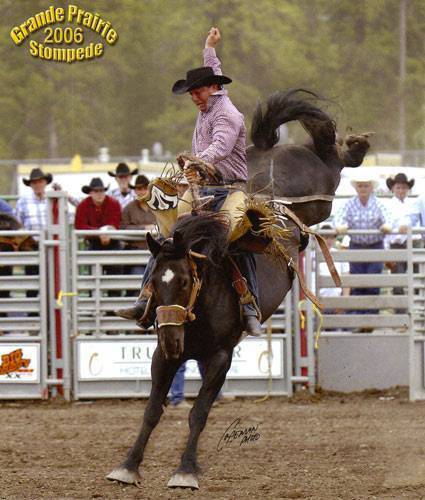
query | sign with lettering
[131, 360]
[20, 363]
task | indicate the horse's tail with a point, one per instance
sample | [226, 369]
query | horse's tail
[286, 106]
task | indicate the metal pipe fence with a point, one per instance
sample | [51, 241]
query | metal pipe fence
[60, 318]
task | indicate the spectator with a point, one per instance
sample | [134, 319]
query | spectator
[417, 214]
[400, 208]
[137, 215]
[123, 193]
[100, 211]
[176, 395]
[31, 211]
[362, 212]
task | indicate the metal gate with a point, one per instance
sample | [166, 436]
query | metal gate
[112, 358]
[23, 320]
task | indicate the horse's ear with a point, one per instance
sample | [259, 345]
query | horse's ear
[153, 245]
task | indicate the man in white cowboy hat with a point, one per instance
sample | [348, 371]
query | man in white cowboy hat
[364, 211]
[219, 140]
[123, 193]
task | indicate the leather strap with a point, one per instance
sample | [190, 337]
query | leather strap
[240, 285]
[305, 199]
[320, 240]
[196, 287]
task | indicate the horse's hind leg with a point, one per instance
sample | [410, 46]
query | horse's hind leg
[215, 375]
[162, 375]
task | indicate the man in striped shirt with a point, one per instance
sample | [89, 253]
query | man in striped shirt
[219, 139]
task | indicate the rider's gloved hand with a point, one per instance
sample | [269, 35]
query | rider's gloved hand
[192, 175]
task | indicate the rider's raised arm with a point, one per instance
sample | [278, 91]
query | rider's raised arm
[210, 57]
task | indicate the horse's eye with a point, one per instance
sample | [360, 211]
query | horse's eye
[185, 282]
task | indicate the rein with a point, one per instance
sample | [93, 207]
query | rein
[176, 315]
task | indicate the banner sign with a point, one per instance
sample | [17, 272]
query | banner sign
[131, 360]
[20, 363]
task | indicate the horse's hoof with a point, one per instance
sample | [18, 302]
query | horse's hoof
[183, 480]
[125, 476]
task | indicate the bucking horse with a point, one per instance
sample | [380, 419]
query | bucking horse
[197, 309]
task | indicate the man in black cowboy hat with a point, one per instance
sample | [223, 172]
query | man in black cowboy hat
[123, 193]
[97, 211]
[219, 139]
[100, 211]
[137, 215]
[401, 208]
[31, 209]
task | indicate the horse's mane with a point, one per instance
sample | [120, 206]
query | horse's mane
[8, 222]
[206, 233]
[286, 106]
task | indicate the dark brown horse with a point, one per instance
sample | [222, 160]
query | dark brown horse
[310, 170]
[210, 338]
[282, 171]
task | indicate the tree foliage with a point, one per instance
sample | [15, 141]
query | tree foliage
[347, 51]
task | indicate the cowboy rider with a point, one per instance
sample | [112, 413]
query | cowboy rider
[219, 139]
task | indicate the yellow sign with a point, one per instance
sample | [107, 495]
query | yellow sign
[74, 21]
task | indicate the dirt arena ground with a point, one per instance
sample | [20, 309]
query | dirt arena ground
[323, 447]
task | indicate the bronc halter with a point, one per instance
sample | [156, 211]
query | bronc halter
[176, 315]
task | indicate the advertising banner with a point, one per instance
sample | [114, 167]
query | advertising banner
[131, 360]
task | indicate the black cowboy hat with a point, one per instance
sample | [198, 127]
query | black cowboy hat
[37, 173]
[95, 183]
[399, 179]
[141, 180]
[199, 77]
[123, 169]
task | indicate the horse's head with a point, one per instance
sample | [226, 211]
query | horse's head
[177, 274]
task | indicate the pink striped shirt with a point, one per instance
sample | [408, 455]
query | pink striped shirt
[220, 134]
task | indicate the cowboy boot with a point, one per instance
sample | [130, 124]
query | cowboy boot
[135, 312]
[138, 311]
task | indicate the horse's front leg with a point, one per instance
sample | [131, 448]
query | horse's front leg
[215, 375]
[162, 375]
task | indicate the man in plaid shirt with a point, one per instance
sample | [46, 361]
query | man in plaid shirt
[219, 139]
[365, 211]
